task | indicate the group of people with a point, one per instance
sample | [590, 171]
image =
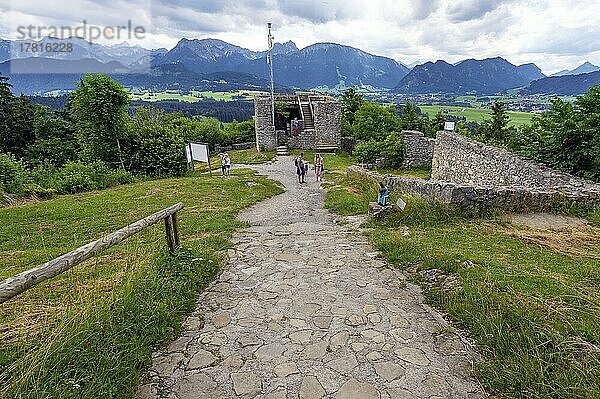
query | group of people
[302, 167]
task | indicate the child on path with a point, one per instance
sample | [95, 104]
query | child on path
[319, 167]
[300, 167]
[225, 164]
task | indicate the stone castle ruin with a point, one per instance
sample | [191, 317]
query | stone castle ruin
[467, 173]
[319, 118]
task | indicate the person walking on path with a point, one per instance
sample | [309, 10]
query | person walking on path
[225, 164]
[295, 127]
[300, 167]
[319, 167]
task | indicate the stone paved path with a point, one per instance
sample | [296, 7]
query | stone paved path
[305, 310]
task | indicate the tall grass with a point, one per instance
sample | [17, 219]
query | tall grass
[90, 332]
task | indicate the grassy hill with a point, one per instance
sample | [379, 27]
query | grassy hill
[90, 331]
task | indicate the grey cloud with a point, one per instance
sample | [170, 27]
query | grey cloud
[467, 10]
[318, 11]
[421, 9]
[578, 41]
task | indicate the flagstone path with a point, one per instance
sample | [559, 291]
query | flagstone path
[304, 309]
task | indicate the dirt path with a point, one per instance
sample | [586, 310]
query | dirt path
[304, 309]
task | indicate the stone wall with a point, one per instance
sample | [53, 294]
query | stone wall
[418, 149]
[466, 196]
[458, 159]
[237, 146]
[327, 117]
[306, 140]
[266, 138]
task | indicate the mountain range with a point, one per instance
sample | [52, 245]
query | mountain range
[586, 67]
[213, 64]
[488, 76]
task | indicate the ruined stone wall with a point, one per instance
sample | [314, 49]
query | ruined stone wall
[458, 159]
[235, 146]
[306, 140]
[466, 196]
[327, 116]
[418, 149]
[263, 124]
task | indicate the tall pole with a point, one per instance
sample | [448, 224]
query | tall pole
[270, 62]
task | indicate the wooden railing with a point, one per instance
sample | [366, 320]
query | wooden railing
[27, 279]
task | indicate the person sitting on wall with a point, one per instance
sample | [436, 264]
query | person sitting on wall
[384, 194]
[295, 127]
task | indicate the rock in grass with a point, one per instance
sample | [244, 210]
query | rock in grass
[377, 211]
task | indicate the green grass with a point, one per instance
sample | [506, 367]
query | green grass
[418, 173]
[476, 114]
[533, 311]
[239, 157]
[194, 96]
[89, 332]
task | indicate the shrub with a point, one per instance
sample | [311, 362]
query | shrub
[13, 175]
[368, 152]
[392, 149]
[76, 177]
[114, 178]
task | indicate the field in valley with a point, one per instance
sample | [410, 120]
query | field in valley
[475, 114]
[194, 96]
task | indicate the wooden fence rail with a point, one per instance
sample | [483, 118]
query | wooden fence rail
[25, 280]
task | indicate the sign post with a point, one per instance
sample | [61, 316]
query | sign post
[449, 126]
[198, 152]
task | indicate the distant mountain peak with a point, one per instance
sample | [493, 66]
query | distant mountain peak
[586, 67]
[285, 48]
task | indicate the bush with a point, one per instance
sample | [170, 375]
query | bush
[13, 175]
[159, 143]
[76, 177]
[368, 152]
[392, 149]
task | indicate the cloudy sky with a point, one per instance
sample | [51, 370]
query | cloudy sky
[555, 34]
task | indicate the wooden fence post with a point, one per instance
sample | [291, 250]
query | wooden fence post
[169, 232]
[175, 229]
[23, 281]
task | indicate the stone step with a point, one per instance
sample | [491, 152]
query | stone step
[282, 150]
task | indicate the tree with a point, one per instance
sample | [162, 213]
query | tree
[99, 108]
[496, 131]
[374, 121]
[55, 138]
[351, 102]
[159, 147]
[566, 137]
[16, 121]
[410, 119]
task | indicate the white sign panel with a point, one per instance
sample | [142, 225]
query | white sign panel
[401, 204]
[449, 126]
[196, 152]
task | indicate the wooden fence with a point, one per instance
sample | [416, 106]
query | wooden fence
[25, 280]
